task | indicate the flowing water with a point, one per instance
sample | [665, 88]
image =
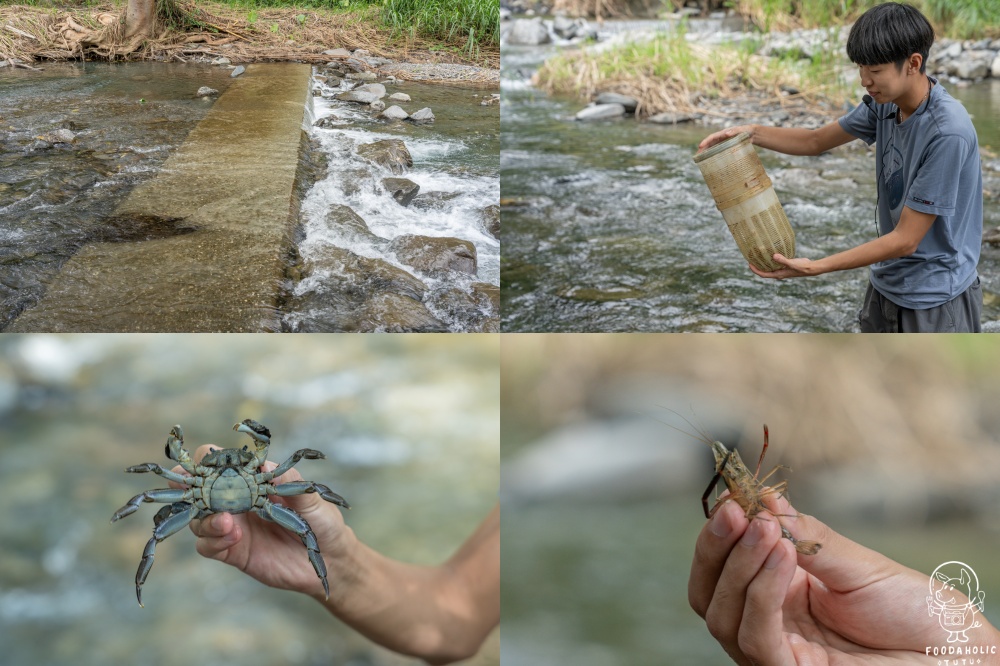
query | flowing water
[610, 227]
[58, 194]
[409, 425]
[455, 165]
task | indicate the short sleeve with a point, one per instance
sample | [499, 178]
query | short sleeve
[935, 187]
[860, 123]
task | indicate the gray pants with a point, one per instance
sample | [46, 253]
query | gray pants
[960, 315]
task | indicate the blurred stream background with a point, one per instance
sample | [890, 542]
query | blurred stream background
[409, 424]
[893, 441]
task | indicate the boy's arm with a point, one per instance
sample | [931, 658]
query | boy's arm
[788, 140]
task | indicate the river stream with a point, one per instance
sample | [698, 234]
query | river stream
[609, 226]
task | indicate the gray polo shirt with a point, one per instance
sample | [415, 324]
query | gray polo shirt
[931, 164]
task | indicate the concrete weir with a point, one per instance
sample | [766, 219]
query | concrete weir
[229, 193]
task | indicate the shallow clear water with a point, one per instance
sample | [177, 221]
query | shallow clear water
[609, 226]
[56, 197]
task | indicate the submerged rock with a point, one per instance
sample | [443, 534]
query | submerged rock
[205, 91]
[434, 255]
[402, 189]
[239, 70]
[399, 97]
[389, 153]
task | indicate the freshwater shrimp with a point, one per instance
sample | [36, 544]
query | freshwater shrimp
[746, 489]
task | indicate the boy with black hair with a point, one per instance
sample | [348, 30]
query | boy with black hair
[929, 181]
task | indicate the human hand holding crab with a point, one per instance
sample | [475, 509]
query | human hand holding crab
[438, 613]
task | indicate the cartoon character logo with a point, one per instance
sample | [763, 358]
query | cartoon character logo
[956, 613]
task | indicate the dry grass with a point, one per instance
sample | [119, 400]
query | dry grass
[667, 73]
[28, 34]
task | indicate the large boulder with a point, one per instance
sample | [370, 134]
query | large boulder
[435, 255]
[528, 32]
[357, 97]
[376, 89]
[402, 189]
[389, 153]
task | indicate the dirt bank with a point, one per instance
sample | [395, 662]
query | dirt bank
[210, 31]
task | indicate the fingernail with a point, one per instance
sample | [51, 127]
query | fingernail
[753, 534]
[774, 559]
[719, 526]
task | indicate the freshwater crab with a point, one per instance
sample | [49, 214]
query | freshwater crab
[227, 481]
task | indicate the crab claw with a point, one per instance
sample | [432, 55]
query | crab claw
[257, 431]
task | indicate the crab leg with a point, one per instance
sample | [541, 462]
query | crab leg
[162, 495]
[308, 454]
[295, 523]
[303, 487]
[167, 474]
[168, 520]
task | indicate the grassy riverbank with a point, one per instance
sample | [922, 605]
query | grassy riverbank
[461, 31]
[668, 72]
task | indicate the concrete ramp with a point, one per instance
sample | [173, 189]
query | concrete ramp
[232, 182]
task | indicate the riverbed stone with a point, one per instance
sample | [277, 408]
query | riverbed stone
[378, 106]
[332, 120]
[630, 103]
[346, 220]
[995, 67]
[491, 220]
[358, 97]
[402, 189]
[376, 89]
[399, 97]
[974, 64]
[601, 112]
[362, 76]
[528, 32]
[394, 113]
[237, 71]
[389, 153]
[433, 200]
[205, 91]
[668, 118]
[423, 116]
[435, 255]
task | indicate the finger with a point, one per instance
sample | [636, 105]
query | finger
[725, 612]
[220, 533]
[714, 544]
[761, 634]
[203, 451]
[841, 564]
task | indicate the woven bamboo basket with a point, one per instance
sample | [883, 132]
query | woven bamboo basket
[743, 192]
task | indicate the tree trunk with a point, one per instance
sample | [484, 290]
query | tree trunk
[140, 17]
